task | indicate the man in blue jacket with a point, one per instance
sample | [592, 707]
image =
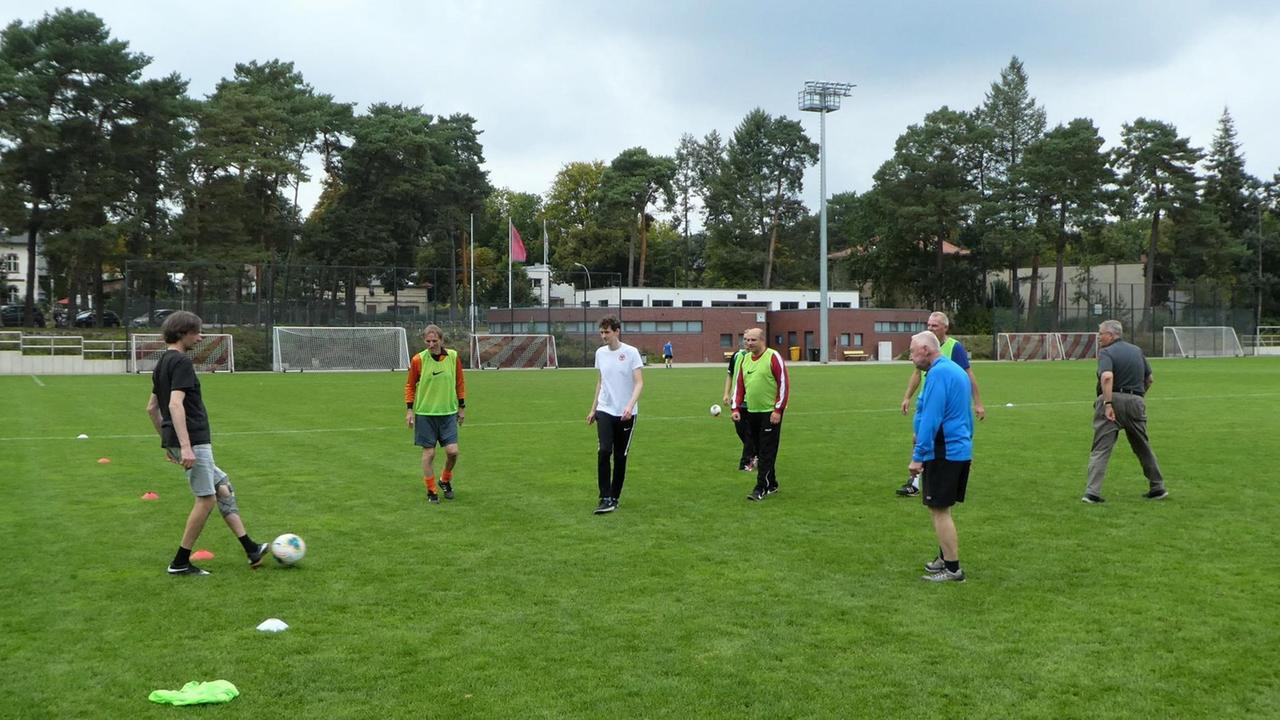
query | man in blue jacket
[943, 449]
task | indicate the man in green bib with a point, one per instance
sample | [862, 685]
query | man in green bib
[939, 324]
[435, 402]
[763, 388]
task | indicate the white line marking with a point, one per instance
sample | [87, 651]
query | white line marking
[38, 381]
[394, 427]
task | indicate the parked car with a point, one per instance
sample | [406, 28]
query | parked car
[13, 315]
[88, 318]
[154, 319]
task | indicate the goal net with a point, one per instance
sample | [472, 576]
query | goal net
[1078, 345]
[1028, 346]
[339, 348]
[513, 351]
[214, 352]
[1208, 341]
[1267, 341]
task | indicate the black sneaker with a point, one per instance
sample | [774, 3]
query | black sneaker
[433, 498]
[757, 495]
[772, 489]
[908, 490]
[1092, 499]
[607, 505]
[187, 569]
[1156, 494]
[256, 556]
[448, 490]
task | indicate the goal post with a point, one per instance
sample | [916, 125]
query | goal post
[513, 351]
[339, 348]
[1078, 345]
[214, 353]
[1267, 341]
[1204, 341]
[1028, 346]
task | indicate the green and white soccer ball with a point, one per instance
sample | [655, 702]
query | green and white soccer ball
[288, 549]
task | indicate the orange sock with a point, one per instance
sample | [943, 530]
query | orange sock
[430, 480]
[446, 476]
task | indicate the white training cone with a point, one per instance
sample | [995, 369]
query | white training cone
[272, 625]
[82, 436]
[1008, 404]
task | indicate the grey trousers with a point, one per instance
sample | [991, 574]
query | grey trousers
[1131, 416]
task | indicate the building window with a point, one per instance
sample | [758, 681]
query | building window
[690, 303]
[742, 296]
[602, 303]
[842, 305]
[813, 305]
[844, 339]
[726, 340]
[857, 339]
[629, 302]
[10, 264]
[663, 303]
[899, 327]
[537, 282]
[695, 326]
[664, 327]
[789, 305]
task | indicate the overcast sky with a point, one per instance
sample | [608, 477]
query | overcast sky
[553, 82]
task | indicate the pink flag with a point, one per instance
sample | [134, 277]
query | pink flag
[517, 245]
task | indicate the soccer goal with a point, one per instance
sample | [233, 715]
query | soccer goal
[513, 351]
[1028, 346]
[214, 353]
[1207, 341]
[1267, 341]
[339, 348]
[1078, 345]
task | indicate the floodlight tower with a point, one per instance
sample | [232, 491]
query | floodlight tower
[822, 98]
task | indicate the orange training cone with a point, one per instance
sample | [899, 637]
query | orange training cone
[104, 461]
[150, 496]
[202, 555]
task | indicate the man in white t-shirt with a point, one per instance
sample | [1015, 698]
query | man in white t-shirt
[614, 410]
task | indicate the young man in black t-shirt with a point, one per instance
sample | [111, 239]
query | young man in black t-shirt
[177, 411]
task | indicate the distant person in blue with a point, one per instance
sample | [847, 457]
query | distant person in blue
[943, 449]
[667, 353]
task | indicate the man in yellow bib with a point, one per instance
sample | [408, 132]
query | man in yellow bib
[763, 388]
[435, 400]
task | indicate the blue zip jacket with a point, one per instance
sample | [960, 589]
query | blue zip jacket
[944, 416]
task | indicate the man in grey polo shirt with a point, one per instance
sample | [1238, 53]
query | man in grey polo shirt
[1124, 375]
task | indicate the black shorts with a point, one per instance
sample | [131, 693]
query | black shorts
[944, 482]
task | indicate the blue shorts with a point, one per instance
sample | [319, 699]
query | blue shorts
[432, 430]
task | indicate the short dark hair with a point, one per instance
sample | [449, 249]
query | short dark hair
[611, 322]
[178, 324]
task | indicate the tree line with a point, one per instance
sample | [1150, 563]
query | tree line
[110, 169]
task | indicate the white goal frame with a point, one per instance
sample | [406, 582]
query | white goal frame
[320, 349]
[1187, 341]
[1028, 346]
[499, 350]
[1078, 345]
[1267, 341]
[216, 352]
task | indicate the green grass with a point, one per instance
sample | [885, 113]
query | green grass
[515, 601]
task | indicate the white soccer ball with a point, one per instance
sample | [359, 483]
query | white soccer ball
[288, 549]
[715, 410]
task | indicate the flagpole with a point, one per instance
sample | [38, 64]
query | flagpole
[545, 244]
[509, 245]
[474, 361]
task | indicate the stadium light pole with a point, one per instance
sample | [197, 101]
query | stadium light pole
[822, 98]
[584, 311]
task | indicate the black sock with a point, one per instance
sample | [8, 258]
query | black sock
[952, 565]
[183, 558]
[249, 545]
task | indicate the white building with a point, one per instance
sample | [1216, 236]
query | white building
[658, 297]
[13, 268]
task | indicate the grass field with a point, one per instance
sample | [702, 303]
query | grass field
[514, 601]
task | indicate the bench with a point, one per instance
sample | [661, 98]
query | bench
[729, 353]
[855, 355]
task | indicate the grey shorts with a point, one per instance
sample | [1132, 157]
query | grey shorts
[432, 430]
[205, 476]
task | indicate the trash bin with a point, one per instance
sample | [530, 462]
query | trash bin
[795, 353]
[815, 354]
